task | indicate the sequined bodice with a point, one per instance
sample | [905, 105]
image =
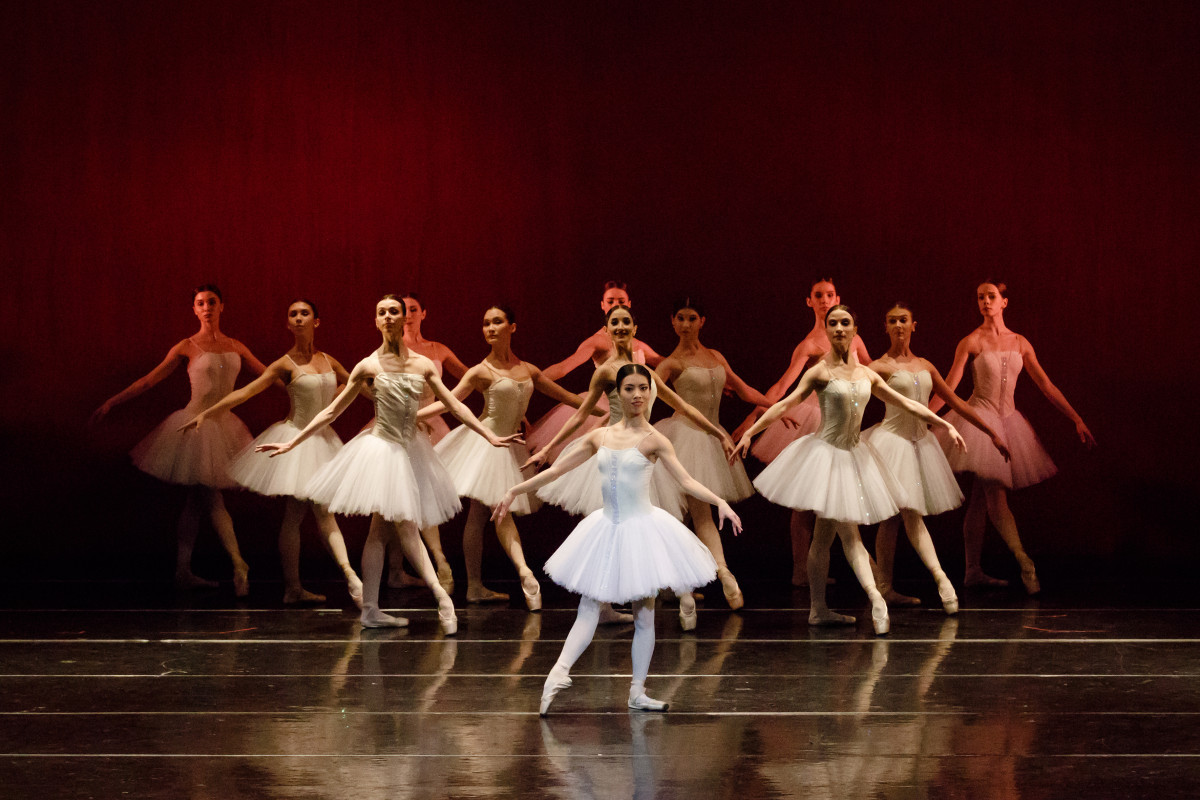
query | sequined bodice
[701, 388]
[842, 405]
[995, 373]
[310, 392]
[915, 386]
[626, 482]
[212, 376]
[397, 398]
[614, 404]
[505, 403]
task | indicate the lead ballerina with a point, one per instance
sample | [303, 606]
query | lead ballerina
[391, 471]
[629, 550]
[832, 472]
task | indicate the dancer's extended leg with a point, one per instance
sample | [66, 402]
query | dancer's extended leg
[214, 502]
[289, 554]
[706, 531]
[578, 639]
[885, 560]
[922, 542]
[1001, 516]
[643, 650]
[510, 540]
[374, 553]
[331, 535]
[974, 525]
[860, 562]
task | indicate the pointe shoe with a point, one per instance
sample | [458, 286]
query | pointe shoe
[978, 578]
[533, 600]
[879, 618]
[485, 595]
[688, 619]
[355, 588]
[1030, 579]
[610, 616]
[446, 577]
[447, 618]
[643, 702]
[554, 684]
[241, 581]
[949, 598]
[374, 618]
[729, 585]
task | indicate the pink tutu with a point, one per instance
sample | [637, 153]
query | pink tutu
[197, 457]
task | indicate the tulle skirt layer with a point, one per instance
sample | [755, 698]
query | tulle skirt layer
[581, 491]
[772, 441]
[1030, 463]
[620, 562]
[921, 469]
[552, 422]
[435, 428]
[483, 472]
[287, 474]
[197, 457]
[703, 458]
[843, 485]
[371, 475]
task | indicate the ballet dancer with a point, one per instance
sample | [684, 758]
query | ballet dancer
[832, 472]
[700, 375]
[391, 471]
[997, 356]
[597, 348]
[443, 359]
[197, 458]
[628, 550]
[802, 419]
[912, 453]
[483, 473]
[313, 378]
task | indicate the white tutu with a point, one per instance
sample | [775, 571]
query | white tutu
[372, 475]
[770, 443]
[483, 472]
[843, 485]
[288, 474]
[621, 562]
[552, 422]
[701, 455]
[920, 468]
[1029, 463]
[580, 491]
[200, 456]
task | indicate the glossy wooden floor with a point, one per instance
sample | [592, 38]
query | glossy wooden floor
[128, 690]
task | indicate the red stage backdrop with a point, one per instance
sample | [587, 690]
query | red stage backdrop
[526, 152]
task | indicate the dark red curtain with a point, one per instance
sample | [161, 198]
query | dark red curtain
[476, 151]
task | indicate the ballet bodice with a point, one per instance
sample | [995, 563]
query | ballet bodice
[701, 388]
[842, 405]
[309, 393]
[212, 376]
[397, 398]
[915, 386]
[995, 373]
[505, 403]
[625, 486]
[614, 403]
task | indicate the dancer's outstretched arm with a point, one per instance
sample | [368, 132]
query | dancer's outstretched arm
[1056, 397]
[569, 460]
[362, 372]
[887, 394]
[964, 410]
[175, 356]
[662, 448]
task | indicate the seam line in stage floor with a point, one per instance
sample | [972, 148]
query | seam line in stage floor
[933, 609]
[598, 756]
[624, 640]
[511, 675]
[622, 712]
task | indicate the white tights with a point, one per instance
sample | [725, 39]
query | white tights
[584, 630]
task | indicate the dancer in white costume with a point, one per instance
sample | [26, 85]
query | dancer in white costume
[391, 471]
[629, 550]
[482, 472]
[580, 492]
[912, 453]
[443, 359]
[802, 419]
[312, 378]
[197, 458]
[700, 376]
[597, 348]
[998, 356]
[833, 473]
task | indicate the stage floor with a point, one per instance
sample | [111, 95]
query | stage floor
[128, 690]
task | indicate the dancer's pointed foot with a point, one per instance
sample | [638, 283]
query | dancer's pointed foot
[729, 585]
[1030, 579]
[355, 586]
[299, 595]
[372, 617]
[532, 591]
[556, 681]
[879, 616]
[241, 579]
[482, 594]
[445, 577]
[399, 579]
[643, 702]
[687, 613]
[610, 616]
[976, 577]
[446, 616]
[948, 595]
[825, 617]
[186, 579]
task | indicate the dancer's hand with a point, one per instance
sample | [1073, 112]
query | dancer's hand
[728, 446]
[789, 423]
[274, 448]
[724, 512]
[1003, 448]
[194, 422]
[956, 437]
[1085, 435]
[99, 414]
[535, 461]
[742, 449]
[500, 510]
[505, 441]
